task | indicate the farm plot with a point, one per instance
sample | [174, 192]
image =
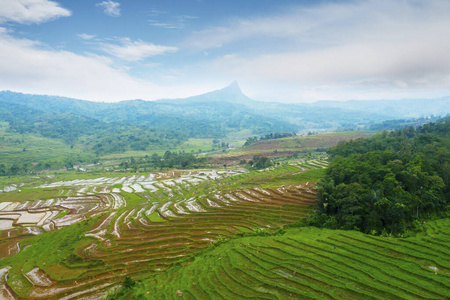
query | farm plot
[138, 183]
[95, 196]
[187, 213]
[312, 263]
[132, 243]
[55, 213]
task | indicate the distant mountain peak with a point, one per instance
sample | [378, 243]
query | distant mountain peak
[234, 88]
[231, 94]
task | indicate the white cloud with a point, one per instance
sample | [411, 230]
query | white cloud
[111, 8]
[402, 59]
[85, 36]
[384, 46]
[30, 11]
[28, 67]
[330, 24]
[176, 22]
[135, 50]
[156, 23]
[334, 50]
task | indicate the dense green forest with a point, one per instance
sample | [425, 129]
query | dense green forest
[212, 115]
[218, 113]
[102, 137]
[385, 183]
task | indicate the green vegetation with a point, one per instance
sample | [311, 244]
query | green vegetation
[196, 145]
[170, 160]
[22, 153]
[312, 263]
[146, 232]
[299, 144]
[260, 162]
[133, 199]
[47, 133]
[91, 218]
[54, 252]
[285, 174]
[403, 123]
[155, 217]
[386, 182]
[271, 136]
[29, 195]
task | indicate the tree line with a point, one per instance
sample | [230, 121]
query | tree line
[170, 159]
[271, 136]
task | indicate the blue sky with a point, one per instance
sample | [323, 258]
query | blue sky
[277, 50]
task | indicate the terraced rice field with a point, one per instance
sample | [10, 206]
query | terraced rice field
[98, 231]
[312, 263]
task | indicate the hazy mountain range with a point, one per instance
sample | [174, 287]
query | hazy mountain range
[214, 114]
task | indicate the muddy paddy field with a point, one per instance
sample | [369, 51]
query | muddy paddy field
[80, 238]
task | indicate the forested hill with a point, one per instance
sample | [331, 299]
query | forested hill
[72, 128]
[385, 183]
[144, 125]
[217, 113]
[211, 115]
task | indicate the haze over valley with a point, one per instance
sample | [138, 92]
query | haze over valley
[224, 149]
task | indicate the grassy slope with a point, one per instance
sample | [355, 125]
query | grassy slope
[312, 263]
[29, 195]
[310, 142]
[36, 148]
[31, 148]
[284, 175]
[266, 147]
[191, 144]
[289, 146]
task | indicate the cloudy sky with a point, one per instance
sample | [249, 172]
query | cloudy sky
[277, 50]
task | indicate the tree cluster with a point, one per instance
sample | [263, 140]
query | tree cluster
[181, 160]
[260, 162]
[68, 162]
[384, 183]
[271, 136]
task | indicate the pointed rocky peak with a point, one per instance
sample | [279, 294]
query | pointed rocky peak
[230, 93]
[233, 88]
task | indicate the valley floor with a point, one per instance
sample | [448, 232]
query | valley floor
[86, 235]
[204, 234]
